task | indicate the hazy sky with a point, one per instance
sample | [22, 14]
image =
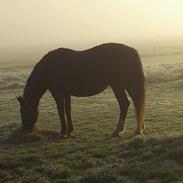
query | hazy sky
[78, 23]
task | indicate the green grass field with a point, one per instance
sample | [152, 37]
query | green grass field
[90, 155]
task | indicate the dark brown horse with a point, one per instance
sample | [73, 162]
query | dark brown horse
[65, 73]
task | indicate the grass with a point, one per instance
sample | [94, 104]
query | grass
[90, 155]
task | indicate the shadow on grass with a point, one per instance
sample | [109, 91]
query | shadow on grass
[18, 136]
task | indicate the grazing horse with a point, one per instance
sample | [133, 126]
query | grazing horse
[65, 73]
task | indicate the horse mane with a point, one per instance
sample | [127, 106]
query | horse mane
[32, 83]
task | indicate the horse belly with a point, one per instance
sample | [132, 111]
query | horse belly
[85, 89]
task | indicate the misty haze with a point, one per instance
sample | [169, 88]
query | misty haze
[103, 117]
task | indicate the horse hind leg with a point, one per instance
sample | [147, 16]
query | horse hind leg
[68, 114]
[123, 104]
[137, 95]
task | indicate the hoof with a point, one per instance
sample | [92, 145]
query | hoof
[139, 132]
[69, 132]
[62, 136]
[118, 132]
[115, 134]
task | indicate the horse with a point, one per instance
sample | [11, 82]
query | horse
[66, 72]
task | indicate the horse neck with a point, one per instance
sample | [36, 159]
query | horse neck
[34, 90]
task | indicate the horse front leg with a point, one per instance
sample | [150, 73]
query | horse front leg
[68, 114]
[60, 101]
[61, 112]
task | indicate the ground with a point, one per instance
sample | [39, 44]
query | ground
[90, 154]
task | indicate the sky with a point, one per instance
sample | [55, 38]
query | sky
[82, 23]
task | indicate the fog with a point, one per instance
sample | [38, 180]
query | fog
[47, 24]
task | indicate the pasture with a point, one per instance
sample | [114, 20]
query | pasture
[90, 155]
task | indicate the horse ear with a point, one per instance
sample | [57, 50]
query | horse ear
[20, 99]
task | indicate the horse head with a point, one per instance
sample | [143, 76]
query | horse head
[28, 113]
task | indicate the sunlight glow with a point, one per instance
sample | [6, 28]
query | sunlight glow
[69, 22]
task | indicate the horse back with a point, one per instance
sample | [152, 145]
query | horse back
[88, 72]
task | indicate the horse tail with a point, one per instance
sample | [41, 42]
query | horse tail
[136, 90]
